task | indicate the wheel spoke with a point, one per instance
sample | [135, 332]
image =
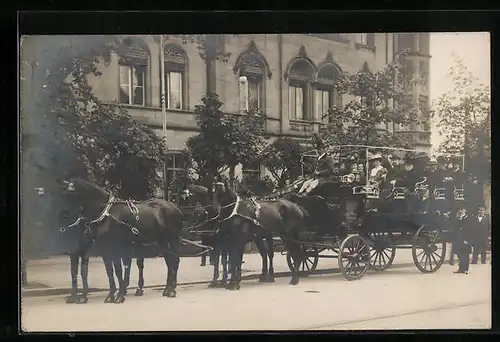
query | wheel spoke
[422, 259]
[434, 253]
[431, 255]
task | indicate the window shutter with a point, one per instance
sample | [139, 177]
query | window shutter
[243, 93]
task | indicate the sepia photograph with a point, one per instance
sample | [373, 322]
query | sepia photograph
[242, 182]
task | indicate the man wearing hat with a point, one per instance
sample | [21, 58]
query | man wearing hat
[480, 228]
[462, 241]
[324, 169]
[378, 173]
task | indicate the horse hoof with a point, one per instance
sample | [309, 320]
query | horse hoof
[171, 294]
[110, 299]
[270, 279]
[71, 299]
[294, 281]
[262, 279]
[119, 299]
[139, 292]
[212, 284]
[82, 300]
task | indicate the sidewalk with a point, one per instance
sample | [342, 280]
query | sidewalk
[51, 276]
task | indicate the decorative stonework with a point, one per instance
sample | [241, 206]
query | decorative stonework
[301, 67]
[132, 51]
[174, 54]
[251, 60]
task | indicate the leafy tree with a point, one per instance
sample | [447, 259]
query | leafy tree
[282, 158]
[463, 118]
[55, 144]
[224, 140]
[379, 98]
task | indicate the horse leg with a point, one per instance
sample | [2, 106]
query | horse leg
[108, 264]
[117, 263]
[214, 257]
[84, 273]
[172, 262]
[127, 265]
[270, 255]
[259, 243]
[72, 298]
[224, 260]
[140, 283]
[233, 252]
[296, 252]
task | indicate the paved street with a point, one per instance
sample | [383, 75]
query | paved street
[53, 273]
[399, 298]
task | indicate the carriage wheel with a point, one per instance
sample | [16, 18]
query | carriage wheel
[382, 252]
[354, 257]
[307, 265]
[428, 250]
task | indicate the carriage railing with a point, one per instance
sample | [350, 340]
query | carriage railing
[439, 193]
[458, 194]
[370, 191]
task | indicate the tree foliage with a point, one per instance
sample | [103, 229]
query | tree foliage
[282, 159]
[463, 118]
[378, 98]
[224, 140]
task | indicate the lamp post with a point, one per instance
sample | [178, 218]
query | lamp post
[164, 114]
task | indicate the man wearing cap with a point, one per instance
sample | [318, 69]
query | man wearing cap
[480, 228]
[324, 170]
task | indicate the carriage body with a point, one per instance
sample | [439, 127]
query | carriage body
[394, 225]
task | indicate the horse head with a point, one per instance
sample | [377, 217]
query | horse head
[222, 194]
[87, 197]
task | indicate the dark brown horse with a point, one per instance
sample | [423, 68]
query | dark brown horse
[117, 226]
[241, 220]
[202, 195]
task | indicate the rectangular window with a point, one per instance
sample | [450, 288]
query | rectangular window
[253, 94]
[132, 85]
[174, 90]
[323, 98]
[176, 166]
[362, 38]
[251, 171]
[296, 103]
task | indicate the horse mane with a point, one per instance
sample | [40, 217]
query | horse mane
[89, 186]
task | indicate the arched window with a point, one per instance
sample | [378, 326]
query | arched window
[133, 64]
[325, 95]
[251, 68]
[175, 77]
[300, 78]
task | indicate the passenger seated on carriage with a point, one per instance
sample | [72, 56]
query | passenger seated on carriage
[376, 178]
[395, 173]
[325, 169]
[378, 173]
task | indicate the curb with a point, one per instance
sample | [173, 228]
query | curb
[66, 291]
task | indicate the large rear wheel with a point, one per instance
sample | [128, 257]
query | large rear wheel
[428, 250]
[354, 257]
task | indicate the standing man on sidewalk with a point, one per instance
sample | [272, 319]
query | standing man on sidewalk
[480, 225]
[463, 243]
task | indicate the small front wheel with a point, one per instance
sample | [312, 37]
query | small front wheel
[307, 265]
[354, 257]
[428, 250]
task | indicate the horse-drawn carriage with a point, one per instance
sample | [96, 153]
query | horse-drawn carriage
[368, 209]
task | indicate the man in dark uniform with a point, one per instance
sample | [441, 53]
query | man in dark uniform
[325, 169]
[462, 241]
[480, 228]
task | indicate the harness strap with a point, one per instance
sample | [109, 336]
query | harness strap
[105, 212]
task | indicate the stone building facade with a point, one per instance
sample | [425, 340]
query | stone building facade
[288, 76]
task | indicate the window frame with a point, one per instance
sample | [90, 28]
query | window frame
[304, 81]
[249, 169]
[131, 68]
[175, 62]
[292, 101]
